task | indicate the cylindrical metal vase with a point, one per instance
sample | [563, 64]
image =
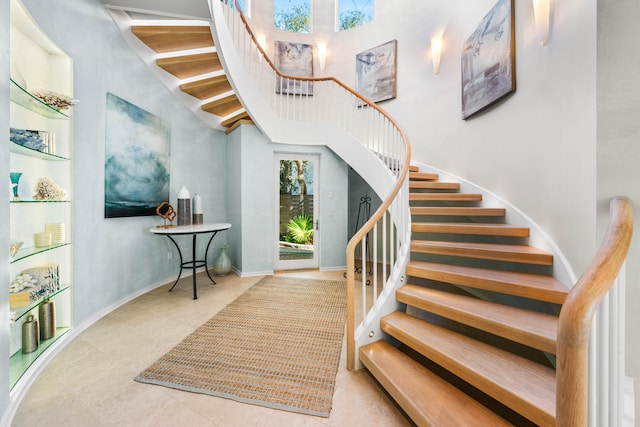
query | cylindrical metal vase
[184, 207]
[184, 211]
[30, 335]
[47, 315]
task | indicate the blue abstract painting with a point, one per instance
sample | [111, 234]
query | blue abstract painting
[137, 160]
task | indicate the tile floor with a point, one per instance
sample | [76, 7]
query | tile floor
[90, 382]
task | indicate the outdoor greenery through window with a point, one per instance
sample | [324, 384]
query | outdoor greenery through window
[240, 2]
[353, 13]
[292, 15]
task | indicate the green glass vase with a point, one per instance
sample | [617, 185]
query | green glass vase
[222, 267]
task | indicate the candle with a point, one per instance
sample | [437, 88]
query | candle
[197, 204]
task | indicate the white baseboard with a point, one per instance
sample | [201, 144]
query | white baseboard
[629, 415]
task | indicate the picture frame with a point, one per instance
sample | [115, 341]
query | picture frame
[488, 60]
[376, 71]
[294, 59]
[137, 160]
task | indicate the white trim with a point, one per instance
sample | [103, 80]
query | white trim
[336, 268]
[629, 415]
[253, 273]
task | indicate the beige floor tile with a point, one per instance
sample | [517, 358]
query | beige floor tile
[91, 381]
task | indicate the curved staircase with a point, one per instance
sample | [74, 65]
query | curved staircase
[464, 258]
[185, 51]
[474, 339]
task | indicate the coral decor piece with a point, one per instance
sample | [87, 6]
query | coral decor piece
[47, 189]
[55, 100]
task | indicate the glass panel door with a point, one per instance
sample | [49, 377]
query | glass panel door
[296, 219]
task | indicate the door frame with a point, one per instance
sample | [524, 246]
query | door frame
[314, 262]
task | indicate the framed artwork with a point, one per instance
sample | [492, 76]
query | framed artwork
[488, 60]
[137, 160]
[376, 72]
[294, 59]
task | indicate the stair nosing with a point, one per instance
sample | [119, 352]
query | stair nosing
[379, 356]
[472, 228]
[539, 331]
[457, 211]
[523, 254]
[493, 374]
[462, 197]
[532, 286]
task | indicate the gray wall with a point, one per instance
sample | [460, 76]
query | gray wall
[257, 174]
[234, 199]
[116, 258]
[618, 152]
[358, 188]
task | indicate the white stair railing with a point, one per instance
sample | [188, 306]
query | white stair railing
[298, 110]
[607, 360]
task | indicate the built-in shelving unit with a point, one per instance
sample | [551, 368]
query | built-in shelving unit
[37, 65]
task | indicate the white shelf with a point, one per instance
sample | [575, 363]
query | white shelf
[44, 66]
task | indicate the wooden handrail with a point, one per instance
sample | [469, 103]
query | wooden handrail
[377, 215]
[576, 316]
[364, 99]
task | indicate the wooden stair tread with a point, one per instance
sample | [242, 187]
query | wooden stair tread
[413, 168]
[457, 211]
[168, 38]
[423, 176]
[207, 88]
[524, 386]
[224, 106]
[426, 398]
[493, 251]
[445, 197]
[240, 118]
[477, 229]
[533, 286]
[533, 329]
[187, 66]
[430, 185]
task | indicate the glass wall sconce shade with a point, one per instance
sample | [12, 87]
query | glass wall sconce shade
[436, 51]
[322, 55]
[541, 9]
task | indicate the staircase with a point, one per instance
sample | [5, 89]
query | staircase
[185, 51]
[475, 338]
[458, 322]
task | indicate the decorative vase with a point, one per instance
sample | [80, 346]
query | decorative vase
[184, 207]
[30, 335]
[47, 317]
[15, 178]
[222, 267]
[198, 217]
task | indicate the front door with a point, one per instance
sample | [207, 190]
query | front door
[296, 225]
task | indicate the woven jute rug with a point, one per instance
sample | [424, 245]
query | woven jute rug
[277, 345]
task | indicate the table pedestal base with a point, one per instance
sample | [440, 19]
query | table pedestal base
[194, 263]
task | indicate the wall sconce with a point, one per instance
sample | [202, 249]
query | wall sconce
[262, 41]
[436, 51]
[322, 55]
[541, 15]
